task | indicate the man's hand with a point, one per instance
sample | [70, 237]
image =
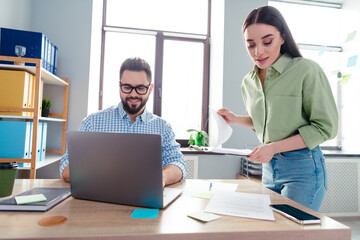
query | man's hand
[171, 174]
[66, 174]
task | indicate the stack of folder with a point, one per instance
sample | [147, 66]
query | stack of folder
[17, 90]
[37, 46]
[16, 140]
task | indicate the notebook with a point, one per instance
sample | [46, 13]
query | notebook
[121, 168]
[53, 197]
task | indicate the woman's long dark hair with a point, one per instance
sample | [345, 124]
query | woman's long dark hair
[271, 16]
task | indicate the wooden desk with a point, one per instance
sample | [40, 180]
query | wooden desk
[95, 220]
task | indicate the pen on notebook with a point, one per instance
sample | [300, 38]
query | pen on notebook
[210, 186]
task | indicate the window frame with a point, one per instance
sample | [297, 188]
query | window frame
[160, 37]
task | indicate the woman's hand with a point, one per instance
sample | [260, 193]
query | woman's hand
[262, 154]
[228, 115]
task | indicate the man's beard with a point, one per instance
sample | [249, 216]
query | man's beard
[133, 109]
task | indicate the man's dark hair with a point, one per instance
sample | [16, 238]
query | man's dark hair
[136, 64]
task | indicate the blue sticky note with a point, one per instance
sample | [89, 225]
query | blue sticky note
[145, 213]
[352, 61]
[322, 50]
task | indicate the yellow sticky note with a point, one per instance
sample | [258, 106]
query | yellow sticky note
[204, 216]
[30, 199]
[203, 195]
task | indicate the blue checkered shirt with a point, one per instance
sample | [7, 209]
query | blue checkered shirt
[115, 119]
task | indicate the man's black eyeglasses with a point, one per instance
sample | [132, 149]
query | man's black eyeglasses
[140, 89]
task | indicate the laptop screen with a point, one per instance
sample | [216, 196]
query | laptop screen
[122, 168]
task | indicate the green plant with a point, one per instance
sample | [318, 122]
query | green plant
[198, 137]
[46, 104]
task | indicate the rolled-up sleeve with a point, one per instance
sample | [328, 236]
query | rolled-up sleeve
[64, 162]
[171, 153]
[320, 108]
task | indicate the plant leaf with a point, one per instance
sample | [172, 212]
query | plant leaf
[192, 130]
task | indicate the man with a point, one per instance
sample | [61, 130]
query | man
[131, 116]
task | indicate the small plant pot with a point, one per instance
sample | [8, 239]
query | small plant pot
[199, 140]
[45, 112]
[7, 178]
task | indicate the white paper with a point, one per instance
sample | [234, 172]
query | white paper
[241, 152]
[239, 204]
[224, 129]
[224, 133]
[201, 186]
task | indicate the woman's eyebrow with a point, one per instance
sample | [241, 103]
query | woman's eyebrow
[268, 35]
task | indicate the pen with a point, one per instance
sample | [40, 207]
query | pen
[210, 187]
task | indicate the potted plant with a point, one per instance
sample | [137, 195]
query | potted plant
[46, 104]
[198, 137]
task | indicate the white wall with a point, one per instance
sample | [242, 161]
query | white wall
[15, 14]
[351, 5]
[67, 23]
[236, 65]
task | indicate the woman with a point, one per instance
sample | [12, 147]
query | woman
[291, 109]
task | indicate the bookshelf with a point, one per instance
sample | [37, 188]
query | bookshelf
[48, 78]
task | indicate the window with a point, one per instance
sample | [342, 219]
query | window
[319, 36]
[176, 49]
[117, 49]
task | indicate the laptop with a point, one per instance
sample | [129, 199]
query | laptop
[120, 168]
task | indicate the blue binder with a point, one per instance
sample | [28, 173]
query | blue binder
[14, 139]
[43, 141]
[38, 144]
[36, 43]
[55, 59]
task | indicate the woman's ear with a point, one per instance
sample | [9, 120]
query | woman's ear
[283, 38]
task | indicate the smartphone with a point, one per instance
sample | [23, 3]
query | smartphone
[295, 214]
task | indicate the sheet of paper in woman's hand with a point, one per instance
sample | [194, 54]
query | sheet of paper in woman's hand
[224, 133]
[224, 129]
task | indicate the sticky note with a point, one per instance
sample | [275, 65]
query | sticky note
[345, 78]
[352, 61]
[145, 213]
[351, 36]
[204, 216]
[203, 195]
[322, 50]
[30, 199]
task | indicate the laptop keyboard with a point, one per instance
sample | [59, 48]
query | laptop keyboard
[170, 194]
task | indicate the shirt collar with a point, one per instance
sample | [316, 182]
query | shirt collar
[123, 114]
[279, 65]
[282, 62]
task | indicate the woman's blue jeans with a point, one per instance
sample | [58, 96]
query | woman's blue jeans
[300, 175]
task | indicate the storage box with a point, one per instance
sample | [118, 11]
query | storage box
[14, 139]
[14, 90]
[17, 89]
[37, 46]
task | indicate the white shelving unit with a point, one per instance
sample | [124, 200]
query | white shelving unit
[52, 155]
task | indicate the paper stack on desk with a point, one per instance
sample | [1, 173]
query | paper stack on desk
[248, 205]
[224, 133]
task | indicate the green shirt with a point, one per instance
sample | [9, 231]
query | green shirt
[296, 98]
